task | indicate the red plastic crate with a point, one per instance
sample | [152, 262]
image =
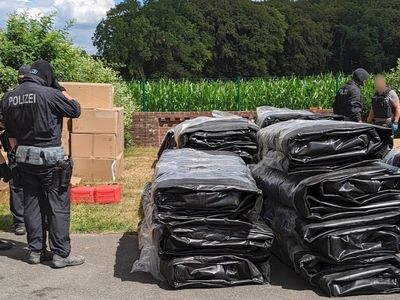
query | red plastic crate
[106, 194]
[82, 194]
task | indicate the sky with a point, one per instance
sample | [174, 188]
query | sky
[86, 13]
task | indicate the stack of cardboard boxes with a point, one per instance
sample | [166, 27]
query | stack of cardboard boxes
[96, 139]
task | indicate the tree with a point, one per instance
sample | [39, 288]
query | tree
[246, 37]
[25, 40]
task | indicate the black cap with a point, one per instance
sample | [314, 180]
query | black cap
[44, 70]
[360, 75]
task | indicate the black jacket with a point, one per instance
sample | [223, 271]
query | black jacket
[349, 102]
[33, 113]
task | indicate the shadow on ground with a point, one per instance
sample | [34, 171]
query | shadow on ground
[128, 252]
[19, 251]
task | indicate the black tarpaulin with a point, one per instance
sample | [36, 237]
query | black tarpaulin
[379, 274]
[366, 189]
[214, 271]
[393, 158]
[201, 224]
[214, 184]
[267, 115]
[224, 133]
[321, 145]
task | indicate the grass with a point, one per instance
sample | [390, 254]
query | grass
[122, 217]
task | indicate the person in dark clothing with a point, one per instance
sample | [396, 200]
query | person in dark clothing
[33, 115]
[348, 100]
[16, 193]
[385, 105]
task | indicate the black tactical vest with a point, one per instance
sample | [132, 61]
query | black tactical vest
[381, 105]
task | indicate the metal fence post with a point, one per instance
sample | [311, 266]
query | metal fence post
[238, 105]
[143, 94]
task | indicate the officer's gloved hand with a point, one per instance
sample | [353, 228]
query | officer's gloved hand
[5, 172]
[395, 127]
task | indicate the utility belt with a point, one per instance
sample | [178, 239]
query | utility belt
[39, 156]
[47, 157]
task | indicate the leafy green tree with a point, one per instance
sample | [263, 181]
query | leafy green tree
[25, 40]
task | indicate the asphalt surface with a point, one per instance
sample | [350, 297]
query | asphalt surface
[106, 275]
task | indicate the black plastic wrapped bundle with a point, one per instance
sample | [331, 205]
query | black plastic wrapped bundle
[322, 145]
[379, 274]
[233, 134]
[214, 271]
[268, 115]
[201, 225]
[211, 184]
[393, 158]
[204, 236]
[365, 189]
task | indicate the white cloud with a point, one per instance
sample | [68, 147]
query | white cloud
[86, 14]
[84, 11]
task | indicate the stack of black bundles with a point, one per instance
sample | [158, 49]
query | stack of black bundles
[268, 115]
[226, 133]
[333, 205]
[204, 216]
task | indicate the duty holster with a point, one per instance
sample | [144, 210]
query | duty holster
[63, 173]
[12, 163]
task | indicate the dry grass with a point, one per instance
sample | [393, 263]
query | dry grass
[122, 217]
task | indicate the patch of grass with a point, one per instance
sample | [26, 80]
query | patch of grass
[122, 217]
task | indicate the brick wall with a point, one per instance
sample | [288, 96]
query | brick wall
[149, 128]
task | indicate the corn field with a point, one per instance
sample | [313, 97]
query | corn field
[241, 94]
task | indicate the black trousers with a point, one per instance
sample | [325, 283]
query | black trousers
[47, 209]
[17, 204]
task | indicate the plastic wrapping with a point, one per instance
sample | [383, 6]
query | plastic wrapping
[378, 274]
[213, 184]
[201, 225]
[214, 271]
[393, 158]
[321, 145]
[149, 261]
[363, 190]
[268, 115]
[224, 133]
[215, 237]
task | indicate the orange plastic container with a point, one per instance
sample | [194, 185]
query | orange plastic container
[82, 194]
[106, 194]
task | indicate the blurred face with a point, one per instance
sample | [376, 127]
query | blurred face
[380, 84]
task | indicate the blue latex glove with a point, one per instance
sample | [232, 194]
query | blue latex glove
[395, 127]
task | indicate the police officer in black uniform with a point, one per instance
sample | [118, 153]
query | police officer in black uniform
[16, 193]
[385, 105]
[33, 115]
[348, 100]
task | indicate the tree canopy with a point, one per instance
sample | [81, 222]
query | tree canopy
[226, 38]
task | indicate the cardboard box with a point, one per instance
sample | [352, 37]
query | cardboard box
[99, 121]
[66, 142]
[91, 95]
[396, 143]
[97, 145]
[67, 125]
[95, 169]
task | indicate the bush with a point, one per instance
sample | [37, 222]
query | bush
[25, 40]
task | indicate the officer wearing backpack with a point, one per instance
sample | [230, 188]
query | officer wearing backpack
[348, 100]
[33, 114]
[385, 105]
